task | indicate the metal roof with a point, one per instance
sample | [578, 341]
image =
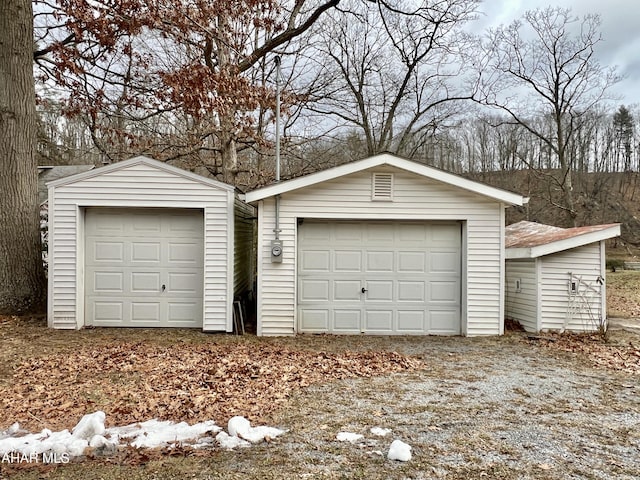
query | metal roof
[530, 239]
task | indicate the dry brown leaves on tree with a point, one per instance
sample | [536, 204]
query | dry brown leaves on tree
[134, 382]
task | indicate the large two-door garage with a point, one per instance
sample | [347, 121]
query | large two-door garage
[384, 246]
[140, 243]
[379, 277]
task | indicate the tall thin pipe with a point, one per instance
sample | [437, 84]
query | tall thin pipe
[276, 230]
[277, 60]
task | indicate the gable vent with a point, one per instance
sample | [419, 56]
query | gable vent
[382, 187]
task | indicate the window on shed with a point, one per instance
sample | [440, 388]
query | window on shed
[382, 186]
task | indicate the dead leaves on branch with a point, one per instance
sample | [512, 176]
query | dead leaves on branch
[133, 382]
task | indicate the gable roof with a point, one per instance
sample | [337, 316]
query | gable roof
[49, 173]
[393, 161]
[531, 240]
[140, 160]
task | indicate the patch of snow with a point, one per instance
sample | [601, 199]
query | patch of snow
[230, 442]
[241, 427]
[91, 432]
[399, 451]
[348, 437]
[238, 426]
[381, 432]
[155, 433]
[90, 425]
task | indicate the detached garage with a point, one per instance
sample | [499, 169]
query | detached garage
[381, 246]
[556, 276]
[143, 244]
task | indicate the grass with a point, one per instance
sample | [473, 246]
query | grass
[443, 431]
[623, 293]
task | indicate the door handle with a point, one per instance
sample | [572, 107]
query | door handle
[364, 290]
[164, 287]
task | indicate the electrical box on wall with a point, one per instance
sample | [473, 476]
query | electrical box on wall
[276, 251]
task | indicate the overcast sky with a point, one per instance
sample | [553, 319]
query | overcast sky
[620, 30]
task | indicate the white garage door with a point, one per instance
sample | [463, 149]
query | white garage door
[143, 267]
[379, 277]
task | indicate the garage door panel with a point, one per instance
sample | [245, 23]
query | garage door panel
[412, 233]
[444, 322]
[184, 253]
[346, 321]
[145, 223]
[145, 282]
[315, 290]
[182, 313]
[411, 291]
[411, 321]
[107, 311]
[345, 233]
[131, 254]
[146, 252]
[346, 290]
[379, 261]
[316, 261]
[347, 261]
[445, 261]
[107, 252]
[108, 282]
[407, 271]
[314, 320]
[380, 291]
[378, 321]
[412, 262]
[444, 235]
[444, 291]
[184, 283]
[379, 233]
[145, 312]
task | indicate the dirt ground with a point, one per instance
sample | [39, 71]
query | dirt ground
[516, 406]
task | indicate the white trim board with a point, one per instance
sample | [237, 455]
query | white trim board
[393, 161]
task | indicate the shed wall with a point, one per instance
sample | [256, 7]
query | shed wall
[562, 310]
[139, 185]
[415, 198]
[522, 305]
[245, 248]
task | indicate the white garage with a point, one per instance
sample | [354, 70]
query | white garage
[143, 244]
[381, 246]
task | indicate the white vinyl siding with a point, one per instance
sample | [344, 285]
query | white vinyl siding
[141, 184]
[414, 198]
[560, 310]
[522, 305]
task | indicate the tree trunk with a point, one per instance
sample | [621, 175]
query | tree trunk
[22, 280]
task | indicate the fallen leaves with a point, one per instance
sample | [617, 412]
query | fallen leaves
[135, 381]
[623, 358]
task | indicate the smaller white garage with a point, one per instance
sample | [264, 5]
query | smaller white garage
[556, 277]
[143, 244]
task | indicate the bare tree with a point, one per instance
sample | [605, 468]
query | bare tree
[545, 65]
[22, 281]
[390, 71]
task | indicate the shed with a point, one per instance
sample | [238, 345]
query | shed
[556, 276]
[384, 246]
[140, 243]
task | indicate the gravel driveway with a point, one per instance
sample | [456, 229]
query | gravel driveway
[482, 408]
